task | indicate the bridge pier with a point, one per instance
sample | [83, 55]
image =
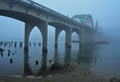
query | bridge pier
[96, 36]
[93, 37]
[57, 32]
[82, 36]
[43, 26]
[68, 38]
[87, 37]
[28, 28]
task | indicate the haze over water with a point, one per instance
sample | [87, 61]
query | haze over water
[103, 59]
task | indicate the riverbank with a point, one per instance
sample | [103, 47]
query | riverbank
[76, 75]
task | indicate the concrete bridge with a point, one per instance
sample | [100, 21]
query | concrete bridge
[34, 14]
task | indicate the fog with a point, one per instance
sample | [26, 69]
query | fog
[105, 11]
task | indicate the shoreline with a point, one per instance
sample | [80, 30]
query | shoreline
[76, 75]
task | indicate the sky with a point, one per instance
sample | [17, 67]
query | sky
[106, 12]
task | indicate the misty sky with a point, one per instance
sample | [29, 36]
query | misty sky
[105, 11]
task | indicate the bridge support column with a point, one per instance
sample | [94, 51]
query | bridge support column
[79, 36]
[96, 36]
[45, 39]
[68, 38]
[57, 32]
[89, 37]
[44, 62]
[43, 26]
[28, 28]
[93, 37]
[82, 36]
[67, 57]
[86, 38]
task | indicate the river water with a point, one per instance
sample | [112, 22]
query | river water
[103, 59]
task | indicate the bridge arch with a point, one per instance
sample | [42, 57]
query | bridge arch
[60, 27]
[8, 29]
[35, 34]
[77, 31]
[61, 36]
[42, 26]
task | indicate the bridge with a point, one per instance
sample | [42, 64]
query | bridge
[34, 14]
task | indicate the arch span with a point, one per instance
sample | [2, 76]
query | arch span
[61, 36]
[77, 31]
[75, 36]
[35, 34]
[11, 28]
[43, 29]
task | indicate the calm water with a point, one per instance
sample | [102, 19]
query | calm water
[103, 59]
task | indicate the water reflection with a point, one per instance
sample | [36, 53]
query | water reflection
[62, 59]
[27, 69]
[57, 63]
[87, 56]
[1, 54]
[66, 60]
[47, 67]
[67, 57]
[43, 69]
[36, 63]
[87, 53]
[11, 60]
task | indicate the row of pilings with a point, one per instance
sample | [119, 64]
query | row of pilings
[18, 43]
